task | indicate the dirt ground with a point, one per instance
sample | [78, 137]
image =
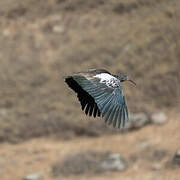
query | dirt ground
[40, 118]
[39, 155]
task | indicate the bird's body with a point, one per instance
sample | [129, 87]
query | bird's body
[100, 94]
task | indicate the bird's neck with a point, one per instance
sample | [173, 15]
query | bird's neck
[116, 76]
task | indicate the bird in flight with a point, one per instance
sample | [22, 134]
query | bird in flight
[100, 94]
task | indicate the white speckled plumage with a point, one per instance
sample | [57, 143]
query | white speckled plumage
[104, 76]
[108, 79]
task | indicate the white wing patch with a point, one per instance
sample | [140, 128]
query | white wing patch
[104, 76]
[108, 79]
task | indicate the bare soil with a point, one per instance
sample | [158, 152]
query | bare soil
[40, 154]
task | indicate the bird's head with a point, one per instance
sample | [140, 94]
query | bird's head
[123, 77]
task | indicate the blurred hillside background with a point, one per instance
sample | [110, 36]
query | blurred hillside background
[43, 132]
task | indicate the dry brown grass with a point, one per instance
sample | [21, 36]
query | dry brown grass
[41, 42]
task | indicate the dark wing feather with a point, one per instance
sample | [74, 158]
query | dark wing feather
[119, 117]
[91, 109]
[87, 101]
[87, 108]
[112, 115]
[95, 110]
[116, 116]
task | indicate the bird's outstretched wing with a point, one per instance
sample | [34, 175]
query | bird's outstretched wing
[98, 98]
[87, 101]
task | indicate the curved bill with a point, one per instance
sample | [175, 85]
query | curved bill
[128, 79]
